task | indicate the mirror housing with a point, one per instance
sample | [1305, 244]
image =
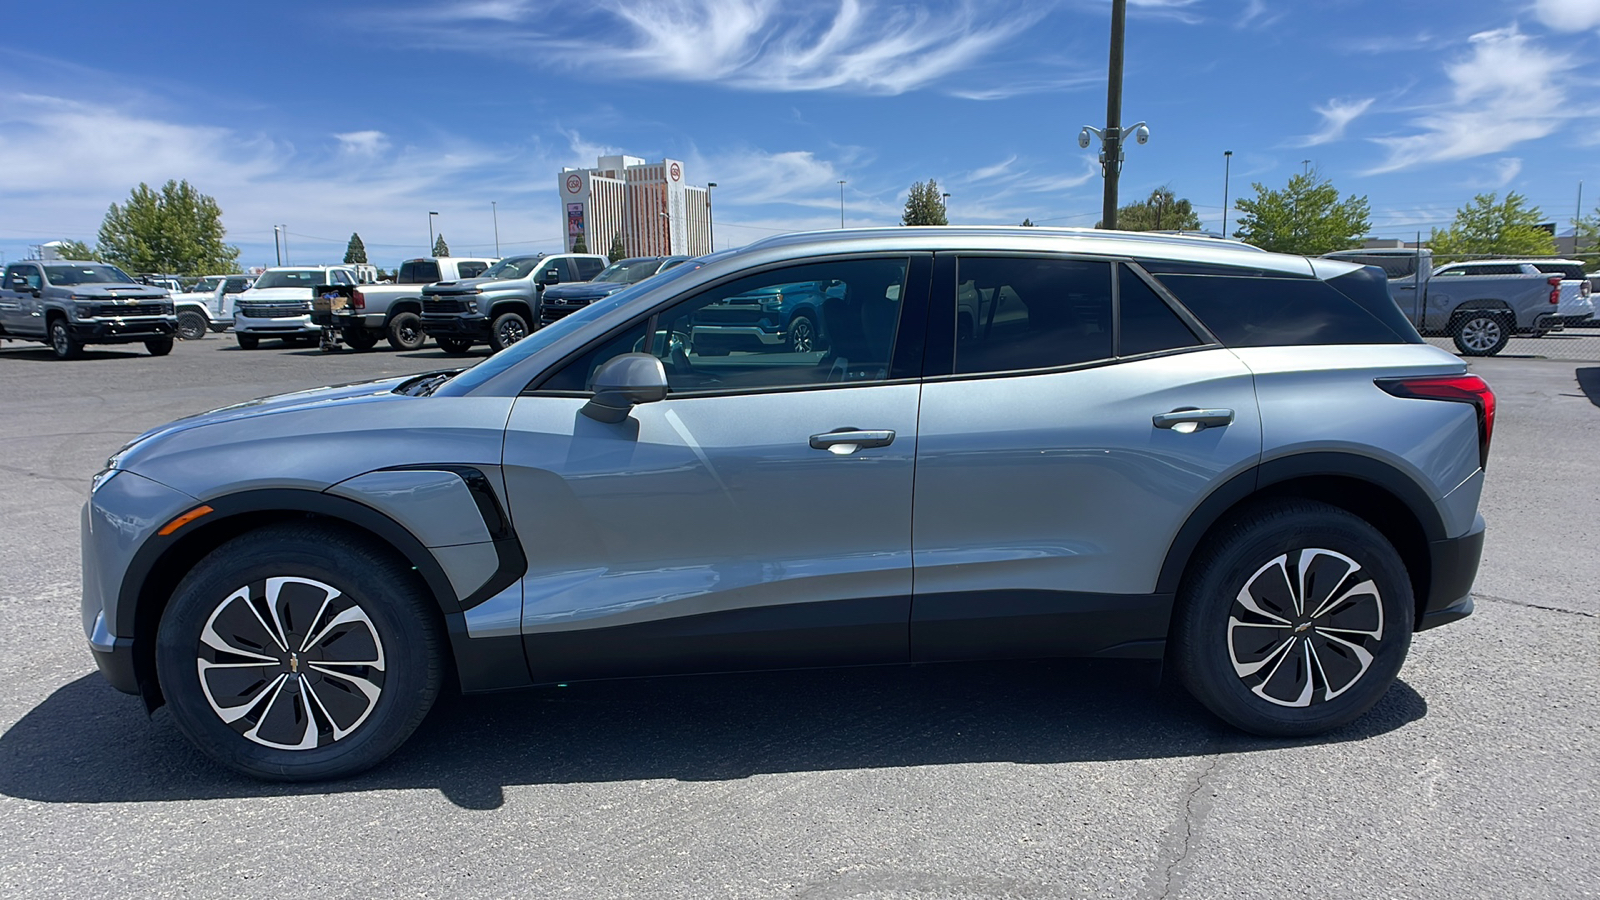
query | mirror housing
[622, 383]
[550, 276]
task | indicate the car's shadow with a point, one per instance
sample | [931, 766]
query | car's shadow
[1589, 383]
[87, 743]
[45, 354]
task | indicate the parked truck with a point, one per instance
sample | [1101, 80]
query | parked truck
[209, 307]
[501, 307]
[68, 303]
[1478, 304]
[394, 311]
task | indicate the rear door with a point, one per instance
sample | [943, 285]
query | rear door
[1060, 449]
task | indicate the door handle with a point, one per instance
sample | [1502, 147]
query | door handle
[1189, 420]
[844, 441]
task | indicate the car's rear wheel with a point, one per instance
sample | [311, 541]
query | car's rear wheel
[1294, 618]
[299, 652]
[192, 326]
[454, 345]
[1481, 333]
[405, 332]
[508, 328]
[359, 338]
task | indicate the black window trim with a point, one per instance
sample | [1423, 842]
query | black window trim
[946, 286]
[903, 341]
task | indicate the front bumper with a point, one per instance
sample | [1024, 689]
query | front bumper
[290, 326]
[1453, 566]
[471, 326]
[123, 331]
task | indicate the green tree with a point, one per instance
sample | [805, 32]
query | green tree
[76, 250]
[440, 248]
[174, 230]
[1306, 217]
[579, 245]
[1586, 243]
[924, 205]
[1027, 223]
[356, 251]
[1161, 212]
[617, 250]
[1489, 226]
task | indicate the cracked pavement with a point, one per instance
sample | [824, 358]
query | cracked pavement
[1475, 776]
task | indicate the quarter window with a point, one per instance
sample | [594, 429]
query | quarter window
[1027, 313]
[470, 269]
[1251, 311]
[1148, 324]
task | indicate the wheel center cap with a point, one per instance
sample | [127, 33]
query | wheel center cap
[1302, 627]
[294, 663]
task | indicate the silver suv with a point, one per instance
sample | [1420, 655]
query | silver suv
[1013, 443]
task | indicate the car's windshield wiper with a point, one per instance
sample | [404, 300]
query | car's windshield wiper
[425, 385]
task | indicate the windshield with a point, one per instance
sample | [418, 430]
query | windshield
[628, 271]
[292, 278]
[512, 268]
[549, 334]
[208, 284]
[96, 274]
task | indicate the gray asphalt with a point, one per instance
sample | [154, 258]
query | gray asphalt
[1475, 777]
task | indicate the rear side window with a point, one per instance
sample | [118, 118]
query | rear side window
[470, 269]
[1567, 271]
[1018, 313]
[419, 271]
[588, 268]
[1148, 324]
[1394, 265]
[1253, 311]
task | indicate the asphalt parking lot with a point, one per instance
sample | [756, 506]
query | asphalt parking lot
[1476, 776]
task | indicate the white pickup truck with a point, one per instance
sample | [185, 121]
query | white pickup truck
[394, 311]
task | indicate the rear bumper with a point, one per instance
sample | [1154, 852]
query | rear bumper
[1454, 566]
[123, 331]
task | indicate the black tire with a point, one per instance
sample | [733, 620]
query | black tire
[1306, 675]
[405, 332]
[454, 344]
[359, 338]
[159, 346]
[192, 326]
[802, 334]
[248, 341]
[62, 342]
[375, 685]
[1481, 333]
[507, 329]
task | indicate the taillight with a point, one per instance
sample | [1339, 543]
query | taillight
[1457, 388]
[358, 300]
[1555, 288]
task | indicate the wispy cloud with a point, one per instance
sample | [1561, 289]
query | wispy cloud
[365, 143]
[1507, 169]
[1510, 89]
[858, 46]
[1336, 117]
[1568, 15]
[1259, 14]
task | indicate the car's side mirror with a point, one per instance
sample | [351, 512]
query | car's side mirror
[551, 276]
[622, 383]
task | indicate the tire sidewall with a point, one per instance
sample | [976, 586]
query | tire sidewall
[495, 341]
[1245, 546]
[402, 320]
[1498, 320]
[410, 678]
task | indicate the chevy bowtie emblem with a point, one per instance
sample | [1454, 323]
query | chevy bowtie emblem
[294, 663]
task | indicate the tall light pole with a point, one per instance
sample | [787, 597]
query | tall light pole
[711, 217]
[1227, 169]
[944, 200]
[286, 259]
[277, 247]
[1112, 137]
[1305, 167]
[841, 202]
[431, 214]
[494, 210]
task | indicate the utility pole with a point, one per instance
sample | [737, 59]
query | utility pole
[841, 202]
[945, 202]
[711, 217]
[494, 210]
[431, 214]
[1112, 142]
[277, 247]
[1577, 219]
[1227, 169]
[1305, 167]
[286, 259]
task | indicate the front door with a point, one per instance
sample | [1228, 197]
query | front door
[759, 517]
[1081, 419]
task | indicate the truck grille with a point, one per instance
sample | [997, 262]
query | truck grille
[548, 314]
[274, 310]
[119, 310]
[442, 305]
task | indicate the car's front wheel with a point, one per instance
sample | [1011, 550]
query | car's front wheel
[1293, 619]
[454, 344]
[299, 652]
[508, 328]
[62, 342]
[248, 341]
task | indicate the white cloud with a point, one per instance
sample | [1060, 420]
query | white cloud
[365, 143]
[996, 170]
[1509, 90]
[1259, 14]
[1336, 117]
[1507, 169]
[861, 46]
[1568, 15]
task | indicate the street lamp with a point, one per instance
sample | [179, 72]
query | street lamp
[286, 259]
[277, 247]
[1113, 135]
[431, 214]
[944, 199]
[841, 202]
[494, 210]
[711, 216]
[1227, 169]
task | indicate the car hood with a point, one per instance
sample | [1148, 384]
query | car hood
[273, 295]
[582, 290]
[468, 285]
[117, 291]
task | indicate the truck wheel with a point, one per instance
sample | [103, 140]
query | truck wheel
[62, 342]
[359, 338]
[508, 328]
[405, 332]
[1481, 333]
[802, 334]
[159, 346]
[192, 326]
[248, 341]
[454, 345]
[298, 652]
[1294, 618]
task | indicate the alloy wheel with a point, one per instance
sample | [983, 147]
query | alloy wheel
[511, 331]
[801, 338]
[291, 663]
[1305, 627]
[60, 340]
[1480, 334]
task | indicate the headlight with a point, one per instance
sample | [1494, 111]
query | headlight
[472, 305]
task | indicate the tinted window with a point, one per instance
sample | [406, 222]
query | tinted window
[90, 274]
[419, 271]
[235, 285]
[340, 276]
[1148, 323]
[1567, 271]
[587, 268]
[577, 375]
[1268, 312]
[1018, 313]
[1394, 266]
[512, 268]
[279, 278]
[470, 269]
[23, 278]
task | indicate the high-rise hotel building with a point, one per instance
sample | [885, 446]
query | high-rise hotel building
[649, 204]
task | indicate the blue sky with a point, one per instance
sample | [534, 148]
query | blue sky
[333, 117]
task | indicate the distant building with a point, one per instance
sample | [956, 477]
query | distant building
[650, 205]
